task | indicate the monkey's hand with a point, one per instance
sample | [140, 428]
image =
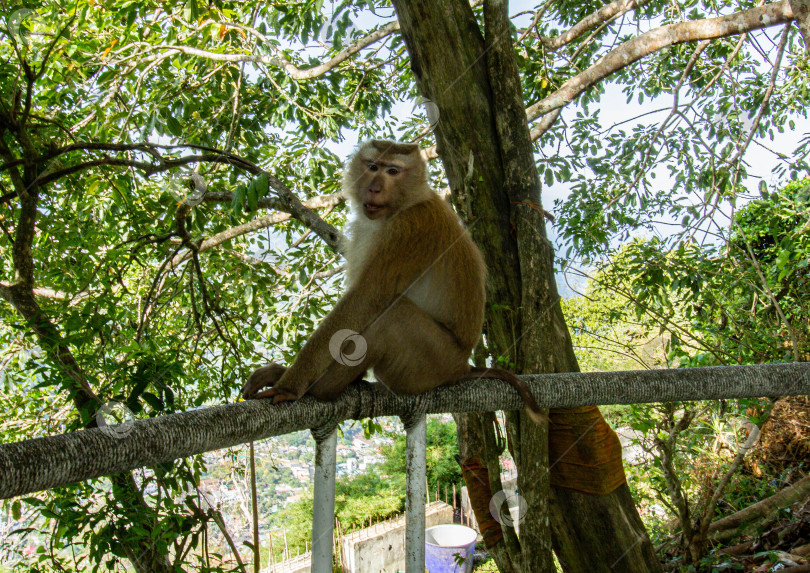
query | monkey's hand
[262, 378]
[278, 395]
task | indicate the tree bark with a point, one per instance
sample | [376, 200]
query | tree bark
[801, 11]
[483, 139]
[581, 521]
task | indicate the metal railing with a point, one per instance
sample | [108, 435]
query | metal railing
[44, 463]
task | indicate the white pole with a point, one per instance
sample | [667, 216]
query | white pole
[415, 467]
[323, 505]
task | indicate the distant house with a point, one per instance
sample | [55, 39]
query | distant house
[301, 472]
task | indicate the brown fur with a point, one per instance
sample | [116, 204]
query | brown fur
[415, 288]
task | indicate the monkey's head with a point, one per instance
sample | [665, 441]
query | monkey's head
[384, 177]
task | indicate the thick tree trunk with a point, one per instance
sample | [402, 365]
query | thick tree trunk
[600, 532]
[483, 139]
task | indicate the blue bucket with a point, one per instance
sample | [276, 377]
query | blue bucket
[446, 546]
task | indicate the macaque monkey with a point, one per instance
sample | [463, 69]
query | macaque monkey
[414, 304]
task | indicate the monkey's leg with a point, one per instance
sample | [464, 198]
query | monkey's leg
[410, 352]
[414, 353]
[331, 385]
[328, 386]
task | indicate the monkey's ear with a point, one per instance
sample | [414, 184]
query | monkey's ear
[394, 147]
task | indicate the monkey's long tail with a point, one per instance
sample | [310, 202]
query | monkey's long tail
[535, 412]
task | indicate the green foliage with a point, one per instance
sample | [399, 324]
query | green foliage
[442, 468]
[155, 296]
[744, 301]
[372, 496]
[153, 336]
[740, 301]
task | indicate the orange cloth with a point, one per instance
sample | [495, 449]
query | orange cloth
[476, 476]
[584, 453]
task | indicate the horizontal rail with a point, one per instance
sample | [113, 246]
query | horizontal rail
[44, 463]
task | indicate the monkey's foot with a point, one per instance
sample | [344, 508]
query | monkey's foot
[278, 395]
[262, 378]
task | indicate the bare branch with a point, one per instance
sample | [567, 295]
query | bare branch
[429, 153]
[750, 442]
[280, 61]
[591, 21]
[544, 124]
[654, 40]
[255, 225]
[765, 100]
[307, 216]
[319, 202]
[165, 438]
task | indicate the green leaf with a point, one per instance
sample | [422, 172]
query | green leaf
[194, 10]
[131, 15]
[154, 402]
[252, 196]
[174, 126]
[262, 184]
[238, 200]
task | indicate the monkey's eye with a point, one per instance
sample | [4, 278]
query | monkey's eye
[372, 166]
[392, 170]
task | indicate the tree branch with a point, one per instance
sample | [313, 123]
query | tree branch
[280, 61]
[288, 200]
[654, 40]
[87, 454]
[765, 100]
[727, 527]
[150, 168]
[330, 200]
[801, 9]
[750, 442]
[255, 225]
[591, 21]
[545, 123]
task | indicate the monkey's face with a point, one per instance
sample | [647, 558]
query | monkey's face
[378, 188]
[384, 177]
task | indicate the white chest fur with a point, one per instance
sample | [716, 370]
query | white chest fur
[362, 237]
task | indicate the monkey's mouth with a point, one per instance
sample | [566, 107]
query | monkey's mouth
[371, 209]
